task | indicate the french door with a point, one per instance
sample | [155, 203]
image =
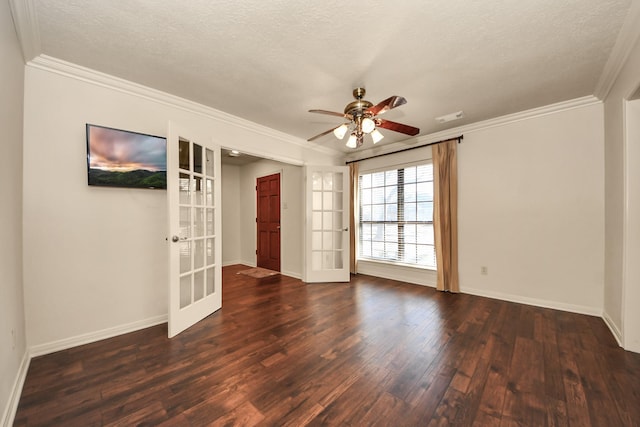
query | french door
[193, 190]
[327, 224]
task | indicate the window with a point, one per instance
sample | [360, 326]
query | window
[396, 216]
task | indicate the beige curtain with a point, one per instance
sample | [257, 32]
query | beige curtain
[353, 216]
[445, 214]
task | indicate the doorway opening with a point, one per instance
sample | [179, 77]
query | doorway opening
[241, 243]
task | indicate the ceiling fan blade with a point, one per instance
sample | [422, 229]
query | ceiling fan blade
[323, 133]
[397, 127]
[332, 113]
[387, 104]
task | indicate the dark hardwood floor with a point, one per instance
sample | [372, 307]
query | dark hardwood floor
[372, 352]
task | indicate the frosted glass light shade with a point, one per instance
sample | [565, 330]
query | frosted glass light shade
[352, 142]
[368, 125]
[340, 131]
[376, 136]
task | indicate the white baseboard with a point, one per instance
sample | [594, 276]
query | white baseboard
[248, 263]
[234, 262]
[556, 305]
[615, 331]
[292, 274]
[10, 410]
[63, 344]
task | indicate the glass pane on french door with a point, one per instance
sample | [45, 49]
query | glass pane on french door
[196, 221]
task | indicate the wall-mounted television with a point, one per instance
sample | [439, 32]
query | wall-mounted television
[121, 158]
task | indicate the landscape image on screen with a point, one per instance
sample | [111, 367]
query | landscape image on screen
[119, 158]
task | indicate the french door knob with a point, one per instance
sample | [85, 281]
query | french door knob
[175, 239]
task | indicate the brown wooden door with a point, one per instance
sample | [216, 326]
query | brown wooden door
[268, 221]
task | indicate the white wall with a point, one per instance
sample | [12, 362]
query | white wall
[12, 326]
[230, 214]
[96, 258]
[631, 289]
[291, 219]
[618, 168]
[531, 209]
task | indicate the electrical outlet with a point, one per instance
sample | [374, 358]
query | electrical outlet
[484, 270]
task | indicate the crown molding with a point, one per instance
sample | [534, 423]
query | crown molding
[74, 71]
[627, 38]
[26, 22]
[477, 126]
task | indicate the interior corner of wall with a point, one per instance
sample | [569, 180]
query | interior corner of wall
[615, 329]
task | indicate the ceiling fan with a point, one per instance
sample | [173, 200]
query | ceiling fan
[362, 116]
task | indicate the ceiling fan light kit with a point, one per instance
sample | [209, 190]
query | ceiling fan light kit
[363, 121]
[368, 125]
[376, 136]
[341, 131]
[352, 142]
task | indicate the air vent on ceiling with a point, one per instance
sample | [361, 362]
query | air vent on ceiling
[450, 117]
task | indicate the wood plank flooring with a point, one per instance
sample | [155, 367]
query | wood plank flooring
[372, 352]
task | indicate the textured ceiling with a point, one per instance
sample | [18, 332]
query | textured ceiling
[271, 61]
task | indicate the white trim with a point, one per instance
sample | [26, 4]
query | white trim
[67, 69]
[291, 274]
[627, 38]
[634, 349]
[9, 414]
[248, 263]
[25, 20]
[625, 221]
[402, 273]
[556, 305]
[584, 101]
[63, 344]
[228, 263]
[615, 331]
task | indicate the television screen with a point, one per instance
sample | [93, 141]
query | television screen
[120, 158]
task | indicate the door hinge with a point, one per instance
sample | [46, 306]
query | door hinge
[256, 219]
[256, 252]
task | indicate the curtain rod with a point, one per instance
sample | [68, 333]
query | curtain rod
[459, 138]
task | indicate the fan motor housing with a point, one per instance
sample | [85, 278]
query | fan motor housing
[357, 107]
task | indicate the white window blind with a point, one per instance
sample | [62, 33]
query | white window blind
[396, 216]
